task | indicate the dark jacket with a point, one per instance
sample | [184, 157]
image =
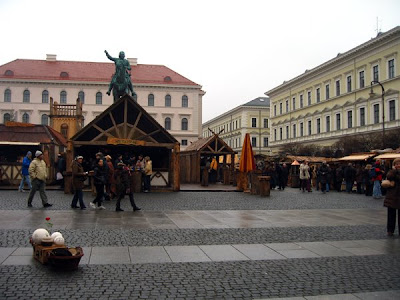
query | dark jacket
[99, 175]
[323, 173]
[121, 176]
[392, 198]
[78, 175]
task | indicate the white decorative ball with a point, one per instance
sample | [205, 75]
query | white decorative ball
[56, 234]
[59, 240]
[39, 234]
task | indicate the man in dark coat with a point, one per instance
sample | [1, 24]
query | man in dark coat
[323, 173]
[349, 177]
[78, 178]
[392, 199]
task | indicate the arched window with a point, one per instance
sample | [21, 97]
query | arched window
[81, 96]
[185, 101]
[45, 96]
[25, 118]
[45, 119]
[184, 124]
[7, 95]
[6, 118]
[167, 123]
[63, 97]
[64, 130]
[150, 100]
[27, 96]
[168, 101]
[99, 98]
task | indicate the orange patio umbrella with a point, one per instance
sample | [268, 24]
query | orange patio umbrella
[247, 162]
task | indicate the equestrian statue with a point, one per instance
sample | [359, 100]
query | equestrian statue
[121, 83]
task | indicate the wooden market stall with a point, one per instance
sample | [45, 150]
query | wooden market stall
[126, 128]
[194, 158]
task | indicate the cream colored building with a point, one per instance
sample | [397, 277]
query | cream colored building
[335, 100]
[27, 85]
[251, 117]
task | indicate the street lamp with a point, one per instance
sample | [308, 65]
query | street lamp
[383, 108]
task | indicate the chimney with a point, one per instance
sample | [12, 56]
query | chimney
[51, 57]
[132, 61]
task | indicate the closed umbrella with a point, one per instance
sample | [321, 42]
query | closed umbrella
[246, 163]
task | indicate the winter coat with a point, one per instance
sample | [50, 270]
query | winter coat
[148, 168]
[304, 171]
[78, 175]
[323, 173]
[99, 175]
[122, 180]
[25, 165]
[38, 169]
[392, 198]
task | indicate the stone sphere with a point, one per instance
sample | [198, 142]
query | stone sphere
[56, 234]
[39, 234]
[59, 240]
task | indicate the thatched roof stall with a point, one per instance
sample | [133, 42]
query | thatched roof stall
[125, 127]
[194, 157]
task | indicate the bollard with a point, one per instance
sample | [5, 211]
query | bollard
[265, 188]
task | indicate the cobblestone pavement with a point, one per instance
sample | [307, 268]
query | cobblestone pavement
[264, 279]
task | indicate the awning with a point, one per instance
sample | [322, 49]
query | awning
[19, 143]
[357, 157]
[388, 156]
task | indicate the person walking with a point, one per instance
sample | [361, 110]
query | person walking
[25, 172]
[110, 185]
[392, 199]
[78, 178]
[38, 174]
[323, 172]
[148, 171]
[99, 180]
[123, 184]
[305, 176]
[376, 174]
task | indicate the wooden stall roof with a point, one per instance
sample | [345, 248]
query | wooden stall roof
[357, 156]
[312, 159]
[388, 156]
[125, 122]
[26, 134]
[211, 145]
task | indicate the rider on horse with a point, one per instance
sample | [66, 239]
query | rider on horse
[121, 65]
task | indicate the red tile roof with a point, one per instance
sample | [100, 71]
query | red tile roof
[30, 69]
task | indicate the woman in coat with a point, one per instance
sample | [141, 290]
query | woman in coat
[392, 199]
[78, 178]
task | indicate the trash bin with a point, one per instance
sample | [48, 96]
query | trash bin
[255, 182]
[265, 188]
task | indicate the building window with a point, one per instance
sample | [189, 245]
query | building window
[392, 110]
[362, 79]
[375, 73]
[45, 96]
[287, 105]
[337, 87]
[362, 116]
[328, 124]
[301, 129]
[81, 96]
[185, 101]
[167, 123]
[64, 130]
[265, 142]
[184, 143]
[349, 119]
[294, 131]
[63, 97]
[327, 92]
[253, 141]
[99, 98]
[274, 109]
[294, 103]
[25, 118]
[348, 84]
[391, 69]
[318, 95]
[287, 132]
[7, 95]
[150, 100]
[376, 113]
[309, 98]
[253, 122]
[280, 108]
[45, 119]
[168, 101]
[26, 97]
[301, 101]
[318, 125]
[6, 118]
[309, 127]
[184, 124]
[338, 122]
[280, 134]
[275, 134]
[265, 123]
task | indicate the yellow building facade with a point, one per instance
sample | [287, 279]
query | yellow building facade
[335, 98]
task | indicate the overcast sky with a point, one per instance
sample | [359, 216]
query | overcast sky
[237, 50]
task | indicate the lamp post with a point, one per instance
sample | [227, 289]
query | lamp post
[383, 108]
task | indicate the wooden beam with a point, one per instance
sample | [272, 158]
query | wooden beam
[132, 131]
[115, 125]
[125, 128]
[176, 169]
[102, 131]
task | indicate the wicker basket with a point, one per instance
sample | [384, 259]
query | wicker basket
[67, 262]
